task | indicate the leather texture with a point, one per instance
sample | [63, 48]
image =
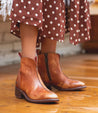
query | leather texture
[52, 75]
[29, 81]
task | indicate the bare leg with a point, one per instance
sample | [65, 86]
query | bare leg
[48, 45]
[28, 40]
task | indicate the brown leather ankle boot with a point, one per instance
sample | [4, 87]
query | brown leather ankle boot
[52, 75]
[30, 86]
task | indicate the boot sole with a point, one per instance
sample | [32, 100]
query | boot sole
[73, 89]
[22, 95]
[67, 89]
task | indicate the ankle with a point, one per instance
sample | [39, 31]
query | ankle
[29, 56]
[47, 51]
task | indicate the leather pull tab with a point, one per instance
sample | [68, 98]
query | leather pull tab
[20, 54]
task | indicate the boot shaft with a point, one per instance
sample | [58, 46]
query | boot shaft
[27, 72]
[49, 66]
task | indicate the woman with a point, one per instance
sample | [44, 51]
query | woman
[45, 22]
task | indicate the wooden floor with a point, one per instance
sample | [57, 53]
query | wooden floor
[81, 67]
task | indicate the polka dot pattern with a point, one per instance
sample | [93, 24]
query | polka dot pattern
[79, 21]
[51, 19]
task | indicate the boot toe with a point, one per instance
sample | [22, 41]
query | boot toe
[79, 83]
[51, 96]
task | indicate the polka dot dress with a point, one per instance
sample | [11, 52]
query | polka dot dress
[53, 18]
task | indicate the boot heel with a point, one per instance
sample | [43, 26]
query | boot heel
[18, 94]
